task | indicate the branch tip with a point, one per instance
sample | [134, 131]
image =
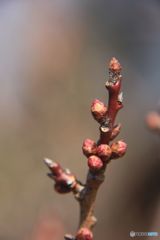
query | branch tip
[49, 163]
[98, 154]
[114, 65]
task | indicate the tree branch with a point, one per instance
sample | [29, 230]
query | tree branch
[98, 154]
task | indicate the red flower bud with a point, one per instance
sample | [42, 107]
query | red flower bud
[114, 65]
[84, 234]
[118, 149]
[95, 163]
[115, 131]
[99, 110]
[104, 151]
[65, 183]
[89, 147]
[64, 180]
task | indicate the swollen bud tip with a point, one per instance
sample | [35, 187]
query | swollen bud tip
[118, 149]
[104, 151]
[95, 163]
[99, 110]
[89, 147]
[114, 65]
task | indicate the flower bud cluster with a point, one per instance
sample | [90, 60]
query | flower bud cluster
[98, 155]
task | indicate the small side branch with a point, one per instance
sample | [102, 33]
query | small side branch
[65, 182]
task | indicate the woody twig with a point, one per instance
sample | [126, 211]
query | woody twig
[98, 154]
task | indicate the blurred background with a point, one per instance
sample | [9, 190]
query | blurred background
[53, 56]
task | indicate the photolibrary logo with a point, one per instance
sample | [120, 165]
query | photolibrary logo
[143, 234]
